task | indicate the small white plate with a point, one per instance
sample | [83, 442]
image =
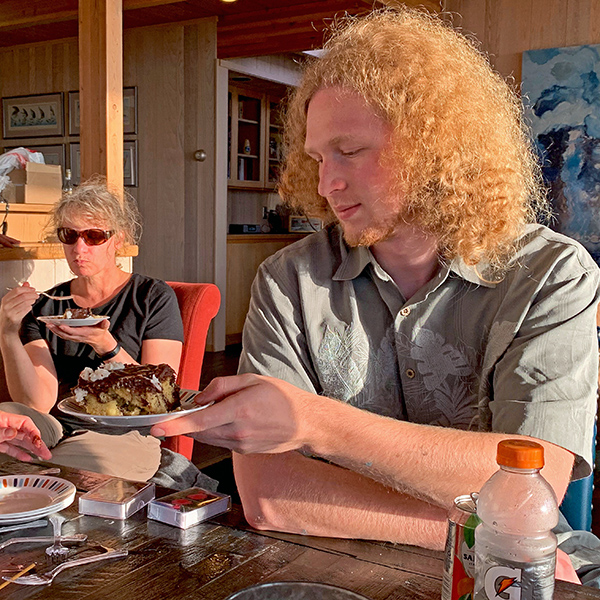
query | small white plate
[70, 407]
[29, 497]
[60, 320]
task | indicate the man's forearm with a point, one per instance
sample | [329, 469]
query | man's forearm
[292, 493]
[435, 464]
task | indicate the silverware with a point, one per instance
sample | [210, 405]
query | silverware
[52, 471]
[57, 552]
[78, 538]
[46, 578]
[55, 297]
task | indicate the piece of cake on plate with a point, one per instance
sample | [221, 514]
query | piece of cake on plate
[115, 389]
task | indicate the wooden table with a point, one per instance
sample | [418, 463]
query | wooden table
[216, 558]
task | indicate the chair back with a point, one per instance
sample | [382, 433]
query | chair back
[199, 303]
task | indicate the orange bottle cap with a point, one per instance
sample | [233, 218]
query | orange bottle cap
[520, 454]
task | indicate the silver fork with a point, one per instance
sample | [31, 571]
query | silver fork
[55, 297]
[46, 578]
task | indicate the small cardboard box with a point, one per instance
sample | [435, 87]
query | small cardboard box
[35, 184]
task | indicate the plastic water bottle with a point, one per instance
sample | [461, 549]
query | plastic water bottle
[515, 548]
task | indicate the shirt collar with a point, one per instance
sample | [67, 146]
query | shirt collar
[354, 261]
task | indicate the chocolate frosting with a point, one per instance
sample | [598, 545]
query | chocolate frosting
[137, 378]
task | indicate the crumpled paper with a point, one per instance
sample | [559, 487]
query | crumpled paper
[16, 159]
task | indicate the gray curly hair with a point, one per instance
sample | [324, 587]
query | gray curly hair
[93, 200]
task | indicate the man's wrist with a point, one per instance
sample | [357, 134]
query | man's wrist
[108, 355]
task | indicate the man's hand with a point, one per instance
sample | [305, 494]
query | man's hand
[20, 438]
[250, 414]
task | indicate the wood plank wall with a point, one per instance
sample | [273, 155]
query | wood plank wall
[173, 67]
[506, 28]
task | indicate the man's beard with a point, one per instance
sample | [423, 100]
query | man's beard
[375, 233]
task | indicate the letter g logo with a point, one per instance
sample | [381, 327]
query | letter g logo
[503, 582]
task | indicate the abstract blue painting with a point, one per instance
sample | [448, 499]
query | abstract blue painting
[561, 95]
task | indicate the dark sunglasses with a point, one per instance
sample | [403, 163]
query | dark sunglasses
[92, 237]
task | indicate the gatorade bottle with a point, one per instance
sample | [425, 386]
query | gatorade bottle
[515, 548]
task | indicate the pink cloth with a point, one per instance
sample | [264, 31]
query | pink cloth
[564, 568]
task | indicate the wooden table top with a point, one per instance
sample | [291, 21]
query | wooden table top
[212, 560]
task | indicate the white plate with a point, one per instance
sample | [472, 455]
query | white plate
[59, 320]
[29, 497]
[70, 407]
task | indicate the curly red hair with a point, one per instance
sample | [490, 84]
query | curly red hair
[462, 159]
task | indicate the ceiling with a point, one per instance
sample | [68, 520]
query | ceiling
[244, 28]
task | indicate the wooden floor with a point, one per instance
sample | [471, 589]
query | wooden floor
[217, 364]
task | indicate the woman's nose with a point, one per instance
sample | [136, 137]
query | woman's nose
[330, 179]
[79, 244]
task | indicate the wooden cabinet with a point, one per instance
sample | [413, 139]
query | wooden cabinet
[254, 139]
[245, 253]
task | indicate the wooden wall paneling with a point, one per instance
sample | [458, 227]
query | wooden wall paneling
[154, 59]
[201, 210]
[199, 207]
[578, 21]
[506, 28]
[549, 24]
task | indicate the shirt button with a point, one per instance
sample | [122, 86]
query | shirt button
[405, 312]
[410, 373]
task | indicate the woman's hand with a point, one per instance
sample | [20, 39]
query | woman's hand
[8, 242]
[20, 438]
[97, 336]
[250, 414]
[15, 305]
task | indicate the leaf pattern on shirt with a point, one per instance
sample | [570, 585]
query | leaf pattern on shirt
[350, 370]
[437, 359]
[456, 405]
[447, 378]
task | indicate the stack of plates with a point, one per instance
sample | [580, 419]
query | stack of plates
[30, 497]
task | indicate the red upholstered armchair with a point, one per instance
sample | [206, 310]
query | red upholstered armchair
[198, 303]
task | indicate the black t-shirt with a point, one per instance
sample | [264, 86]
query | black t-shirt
[144, 309]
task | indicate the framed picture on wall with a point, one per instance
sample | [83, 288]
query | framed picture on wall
[32, 116]
[75, 163]
[129, 111]
[130, 166]
[53, 154]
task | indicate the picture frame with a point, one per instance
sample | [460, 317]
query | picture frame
[130, 163]
[75, 162]
[38, 115]
[54, 154]
[129, 111]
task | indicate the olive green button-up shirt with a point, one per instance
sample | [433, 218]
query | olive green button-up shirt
[518, 355]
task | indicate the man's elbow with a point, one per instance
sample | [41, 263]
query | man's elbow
[263, 514]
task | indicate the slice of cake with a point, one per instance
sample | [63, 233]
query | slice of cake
[78, 313]
[115, 389]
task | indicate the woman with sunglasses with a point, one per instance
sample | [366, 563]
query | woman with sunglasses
[42, 361]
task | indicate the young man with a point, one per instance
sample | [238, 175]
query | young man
[431, 318]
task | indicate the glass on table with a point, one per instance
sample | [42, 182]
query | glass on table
[295, 590]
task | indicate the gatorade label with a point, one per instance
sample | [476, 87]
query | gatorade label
[519, 581]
